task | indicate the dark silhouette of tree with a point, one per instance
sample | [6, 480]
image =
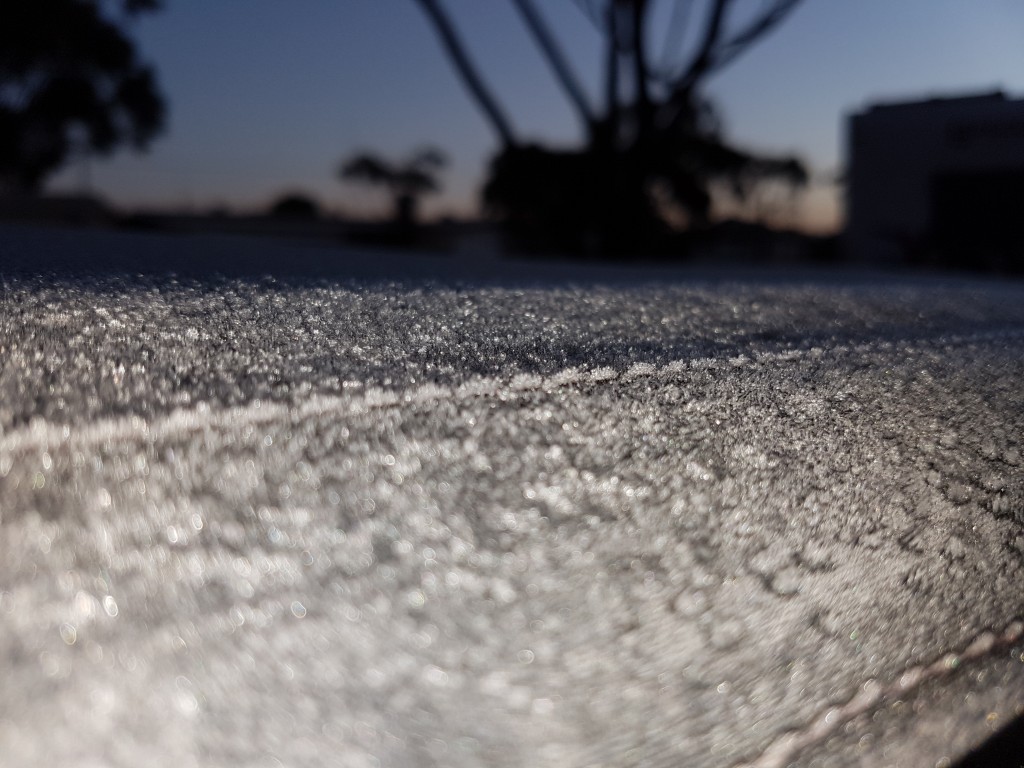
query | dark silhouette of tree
[406, 181]
[70, 80]
[654, 151]
[295, 206]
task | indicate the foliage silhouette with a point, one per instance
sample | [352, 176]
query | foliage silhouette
[653, 154]
[295, 206]
[70, 80]
[406, 181]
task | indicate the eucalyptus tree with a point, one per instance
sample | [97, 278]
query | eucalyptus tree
[71, 81]
[654, 146]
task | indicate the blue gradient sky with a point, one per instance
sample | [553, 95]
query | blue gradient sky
[268, 95]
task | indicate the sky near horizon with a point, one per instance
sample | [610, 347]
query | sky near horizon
[268, 99]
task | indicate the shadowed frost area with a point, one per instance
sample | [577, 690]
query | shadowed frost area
[247, 522]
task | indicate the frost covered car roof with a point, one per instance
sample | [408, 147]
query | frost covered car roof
[592, 520]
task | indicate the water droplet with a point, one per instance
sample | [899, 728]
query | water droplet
[958, 493]
[543, 706]
[298, 610]
[85, 606]
[186, 702]
[786, 582]
[955, 548]
[68, 633]
[435, 675]
[727, 634]
[690, 604]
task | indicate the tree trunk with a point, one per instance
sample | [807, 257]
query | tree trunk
[609, 135]
[638, 51]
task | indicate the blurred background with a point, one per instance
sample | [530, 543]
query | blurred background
[773, 130]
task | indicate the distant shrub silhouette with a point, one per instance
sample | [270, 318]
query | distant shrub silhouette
[295, 206]
[70, 80]
[582, 202]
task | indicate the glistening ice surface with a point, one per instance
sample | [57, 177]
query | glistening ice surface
[247, 522]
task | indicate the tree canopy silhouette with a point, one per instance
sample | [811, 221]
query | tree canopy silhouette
[406, 181]
[296, 206]
[70, 80]
[654, 146]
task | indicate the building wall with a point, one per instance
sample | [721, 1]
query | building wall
[904, 158]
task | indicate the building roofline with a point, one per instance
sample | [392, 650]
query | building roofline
[997, 96]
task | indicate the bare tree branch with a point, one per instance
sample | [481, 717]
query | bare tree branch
[460, 58]
[611, 127]
[716, 50]
[553, 53]
[761, 25]
[674, 36]
[704, 56]
[638, 48]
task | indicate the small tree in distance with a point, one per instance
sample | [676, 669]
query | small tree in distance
[295, 206]
[406, 181]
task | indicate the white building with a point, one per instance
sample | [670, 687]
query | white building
[938, 181]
